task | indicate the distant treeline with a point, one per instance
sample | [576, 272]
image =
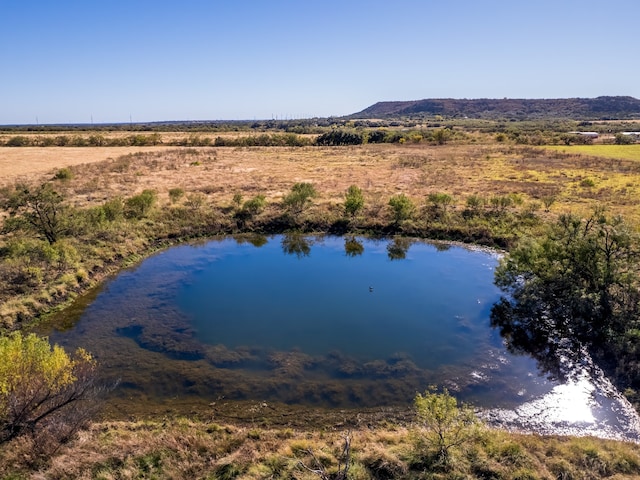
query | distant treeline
[435, 134]
[94, 140]
[142, 140]
[334, 137]
[313, 125]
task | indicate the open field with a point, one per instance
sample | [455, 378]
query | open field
[35, 163]
[577, 181]
[623, 152]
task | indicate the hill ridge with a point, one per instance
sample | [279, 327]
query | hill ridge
[603, 107]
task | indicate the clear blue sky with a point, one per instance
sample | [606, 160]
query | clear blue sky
[65, 61]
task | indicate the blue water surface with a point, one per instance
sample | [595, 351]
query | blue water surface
[327, 322]
[432, 306]
[333, 321]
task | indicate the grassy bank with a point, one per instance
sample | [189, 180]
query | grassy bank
[184, 448]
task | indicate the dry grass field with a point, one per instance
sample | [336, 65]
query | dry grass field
[577, 182]
[36, 163]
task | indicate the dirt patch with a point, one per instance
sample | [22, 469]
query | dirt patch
[36, 163]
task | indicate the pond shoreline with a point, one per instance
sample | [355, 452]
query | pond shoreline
[97, 277]
[312, 385]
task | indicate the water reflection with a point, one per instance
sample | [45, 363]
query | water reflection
[526, 330]
[296, 244]
[255, 239]
[585, 402]
[230, 319]
[442, 246]
[352, 247]
[397, 249]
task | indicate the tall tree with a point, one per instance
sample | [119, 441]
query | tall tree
[575, 288]
[39, 209]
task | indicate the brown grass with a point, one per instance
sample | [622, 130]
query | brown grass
[185, 448]
[577, 182]
[38, 163]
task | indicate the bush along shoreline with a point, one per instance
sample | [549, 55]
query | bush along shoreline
[52, 251]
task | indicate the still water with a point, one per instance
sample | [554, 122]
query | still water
[322, 321]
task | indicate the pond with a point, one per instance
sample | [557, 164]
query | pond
[334, 322]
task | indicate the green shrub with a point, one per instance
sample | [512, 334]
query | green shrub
[441, 135]
[81, 275]
[353, 201]
[18, 141]
[140, 140]
[38, 209]
[401, 207]
[500, 203]
[32, 276]
[525, 474]
[66, 255]
[340, 137]
[46, 141]
[176, 194]
[445, 425]
[78, 141]
[39, 387]
[377, 136]
[475, 203]
[625, 139]
[440, 202]
[195, 201]
[300, 195]
[140, 205]
[113, 209]
[237, 200]
[255, 205]
[587, 183]
[61, 141]
[96, 140]
[227, 471]
[63, 174]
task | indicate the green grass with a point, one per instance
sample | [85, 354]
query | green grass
[622, 152]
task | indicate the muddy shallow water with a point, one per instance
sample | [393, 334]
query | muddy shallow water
[324, 322]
